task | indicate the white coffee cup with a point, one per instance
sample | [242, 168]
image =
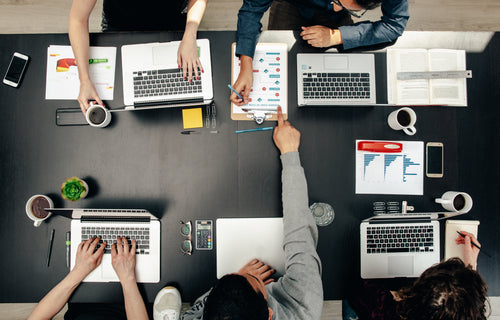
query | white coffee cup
[403, 119]
[34, 209]
[97, 115]
[456, 201]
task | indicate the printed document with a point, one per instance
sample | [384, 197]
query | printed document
[62, 73]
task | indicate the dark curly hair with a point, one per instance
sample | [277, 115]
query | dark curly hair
[448, 290]
[233, 298]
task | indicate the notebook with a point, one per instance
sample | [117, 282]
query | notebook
[331, 79]
[399, 245]
[152, 79]
[109, 224]
[451, 249]
[240, 240]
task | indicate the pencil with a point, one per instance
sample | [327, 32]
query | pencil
[474, 244]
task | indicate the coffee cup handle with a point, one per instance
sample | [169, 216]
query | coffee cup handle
[410, 130]
[37, 223]
[442, 201]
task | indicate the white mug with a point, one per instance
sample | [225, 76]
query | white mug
[403, 119]
[32, 215]
[97, 115]
[456, 201]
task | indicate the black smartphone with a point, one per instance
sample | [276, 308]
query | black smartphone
[16, 69]
[70, 117]
[434, 160]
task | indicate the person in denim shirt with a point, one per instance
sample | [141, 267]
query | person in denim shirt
[323, 23]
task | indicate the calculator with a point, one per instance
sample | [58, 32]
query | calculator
[204, 234]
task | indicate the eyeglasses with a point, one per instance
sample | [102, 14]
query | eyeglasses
[187, 246]
[354, 13]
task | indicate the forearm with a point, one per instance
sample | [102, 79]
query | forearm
[196, 9]
[55, 300]
[248, 29]
[389, 28]
[79, 37]
[134, 305]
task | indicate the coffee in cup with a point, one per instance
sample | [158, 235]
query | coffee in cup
[98, 116]
[456, 201]
[35, 208]
[403, 119]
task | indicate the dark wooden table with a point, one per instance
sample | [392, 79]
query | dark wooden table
[142, 161]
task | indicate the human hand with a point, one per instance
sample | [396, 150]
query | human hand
[123, 259]
[285, 136]
[470, 252]
[244, 83]
[87, 258]
[87, 94]
[321, 36]
[259, 270]
[187, 58]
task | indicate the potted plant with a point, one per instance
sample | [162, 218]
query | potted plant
[74, 189]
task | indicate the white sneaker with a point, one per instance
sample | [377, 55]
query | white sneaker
[167, 304]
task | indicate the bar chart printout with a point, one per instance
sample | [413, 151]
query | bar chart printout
[391, 173]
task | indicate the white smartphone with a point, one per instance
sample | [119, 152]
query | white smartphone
[16, 68]
[434, 160]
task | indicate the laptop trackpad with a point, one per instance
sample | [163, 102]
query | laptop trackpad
[165, 55]
[334, 62]
[400, 266]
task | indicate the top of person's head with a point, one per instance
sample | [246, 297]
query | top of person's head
[368, 4]
[234, 298]
[448, 290]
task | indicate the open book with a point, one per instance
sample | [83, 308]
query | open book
[452, 92]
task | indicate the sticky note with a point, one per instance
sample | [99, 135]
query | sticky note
[192, 118]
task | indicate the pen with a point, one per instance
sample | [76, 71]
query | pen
[232, 89]
[51, 241]
[68, 247]
[256, 129]
[474, 244]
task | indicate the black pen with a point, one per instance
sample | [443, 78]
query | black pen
[51, 241]
[474, 244]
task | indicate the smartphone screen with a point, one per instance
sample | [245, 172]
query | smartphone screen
[434, 160]
[16, 69]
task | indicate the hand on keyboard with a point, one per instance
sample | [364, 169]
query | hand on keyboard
[187, 58]
[123, 259]
[87, 257]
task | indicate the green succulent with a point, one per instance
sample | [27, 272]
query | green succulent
[72, 189]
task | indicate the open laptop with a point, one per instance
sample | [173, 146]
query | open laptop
[152, 79]
[399, 245]
[240, 240]
[109, 224]
[334, 79]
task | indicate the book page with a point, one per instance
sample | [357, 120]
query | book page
[407, 91]
[447, 91]
[451, 249]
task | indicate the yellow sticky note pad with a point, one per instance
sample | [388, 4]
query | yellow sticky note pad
[192, 118]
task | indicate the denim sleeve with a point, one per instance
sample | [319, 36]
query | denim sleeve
[392, 24]
[249, 25]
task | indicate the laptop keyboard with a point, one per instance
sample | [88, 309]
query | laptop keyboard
[336, 86]
[387, 239]
[109, 234]
[151, 83]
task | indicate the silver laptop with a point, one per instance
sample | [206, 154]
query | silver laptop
[136, 224]
[240, 240]
[152, 79]
[399, 245]
[333, 79]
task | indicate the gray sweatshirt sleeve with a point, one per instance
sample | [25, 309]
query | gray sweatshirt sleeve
[298, 294]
